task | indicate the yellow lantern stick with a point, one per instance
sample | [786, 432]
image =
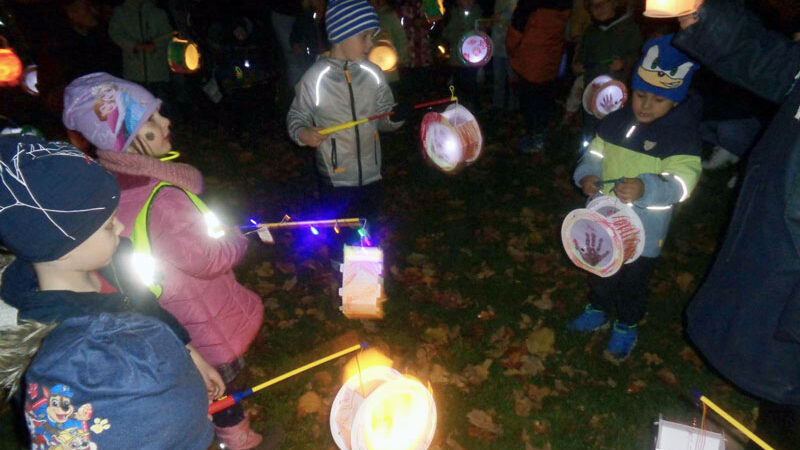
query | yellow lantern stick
[230, 400]
[699, 396]
[352, 222]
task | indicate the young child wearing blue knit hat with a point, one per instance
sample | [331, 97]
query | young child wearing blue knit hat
[341, 88]
[652, 145]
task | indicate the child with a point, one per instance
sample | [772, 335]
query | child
[653, 143]
[163, 216]
[338, 89]
[58, 216]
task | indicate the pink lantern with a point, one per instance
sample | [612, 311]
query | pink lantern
[475, 48]
[451, 140]
[603, 96]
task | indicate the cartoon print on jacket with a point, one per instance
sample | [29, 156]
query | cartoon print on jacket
[54, 421]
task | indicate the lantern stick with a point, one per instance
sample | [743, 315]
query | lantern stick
[699, 396]
[230, 400]
[353, 123]
[600, 183]
[351, 222]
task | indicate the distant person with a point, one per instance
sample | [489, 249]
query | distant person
[502, 95]
[460, 20]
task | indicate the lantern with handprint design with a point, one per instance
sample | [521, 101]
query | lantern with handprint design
[603, 96]
[603, 236]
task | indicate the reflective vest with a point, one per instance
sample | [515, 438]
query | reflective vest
[143, 262]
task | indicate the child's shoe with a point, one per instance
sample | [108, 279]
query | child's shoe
[623, 339]
[242, 437]
[590, 320]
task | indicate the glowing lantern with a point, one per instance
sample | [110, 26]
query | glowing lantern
[604, 95]
[10, 68]
[380, 409]
[183, 56]
[451, 140]
[30, 80]
[669, 8]
[433, 9]
[475, 48]
[362, 283]
[384, 55]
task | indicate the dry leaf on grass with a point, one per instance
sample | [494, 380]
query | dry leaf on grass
[541, 341]
[309, 403]
[667, 377]
[522, 404]
[485, 424]
[690, 356]
[289, 284]
[636, 386]
[477, 374]
[651, 359]
[487, 314]
[685, 281]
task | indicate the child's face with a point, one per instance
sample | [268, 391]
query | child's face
[357, 47]
[154, 135]
[602, 10]
[648, 107]
[95, 253]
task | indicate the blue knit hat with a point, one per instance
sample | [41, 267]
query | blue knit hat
[664, 70]
[121, 381]
[346, 18]
[52, 197]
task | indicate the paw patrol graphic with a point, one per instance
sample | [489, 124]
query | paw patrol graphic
[56, 424]
[666, 77]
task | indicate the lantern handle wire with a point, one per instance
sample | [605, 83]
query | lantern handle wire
[453, 97]
[706, 401]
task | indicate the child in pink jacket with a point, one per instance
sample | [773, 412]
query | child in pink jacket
[186, 260]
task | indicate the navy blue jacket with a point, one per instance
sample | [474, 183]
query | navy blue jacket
[745, 318]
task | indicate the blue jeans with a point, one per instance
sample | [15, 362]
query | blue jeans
[735, 135]
[502, 96]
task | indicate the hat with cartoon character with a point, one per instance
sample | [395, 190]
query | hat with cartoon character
[664, 70]
[53, 197]
[121, 381]
[346, 18]
[106, 110]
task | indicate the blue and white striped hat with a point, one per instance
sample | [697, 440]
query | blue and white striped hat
[346, 18]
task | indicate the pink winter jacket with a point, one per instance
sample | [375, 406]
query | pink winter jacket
[199, 287]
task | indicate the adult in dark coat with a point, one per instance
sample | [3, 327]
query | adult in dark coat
[745, 318]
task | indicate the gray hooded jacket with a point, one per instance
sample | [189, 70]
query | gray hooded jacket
[327, 96]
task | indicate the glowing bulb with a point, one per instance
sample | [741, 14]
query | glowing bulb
[442, 50]
[253, 222]
[314, 231]
[466, 12]
[402, 21]
[247, 63]
[314, 16]
[585, 144]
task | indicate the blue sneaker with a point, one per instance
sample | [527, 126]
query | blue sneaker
[590, 320]
[623, 339]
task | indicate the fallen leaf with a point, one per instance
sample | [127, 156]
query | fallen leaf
[488, 314]
[477, 374]
[525, 322]
[522, 404]
[690, 356]
[636, 386]
[289, 284]
[652, 359]
[485, 422]
[596, 422]
[685, 281]
[437, 336]
[309, 403]
[452, 444]
[667, 377]
[541, 426]
[541, 341]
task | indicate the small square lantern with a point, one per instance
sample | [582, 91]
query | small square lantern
[362, 283]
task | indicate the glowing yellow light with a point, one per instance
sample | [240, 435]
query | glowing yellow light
[384, 55]
[669, 8]
[366, 359]
[441, 48]
[183, 56]
[10, 67]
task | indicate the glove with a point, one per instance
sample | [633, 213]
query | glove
[402, 111]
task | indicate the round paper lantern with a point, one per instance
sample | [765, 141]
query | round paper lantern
[451, 140]
[433, 9]
[475, 48]
[384, 55]
[380, 409]
[10, 68]
[30, 80]
[669, 8]
[183, 56]
[603, 236]
[603, 96]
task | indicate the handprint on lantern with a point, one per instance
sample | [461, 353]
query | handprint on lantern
[590, 252]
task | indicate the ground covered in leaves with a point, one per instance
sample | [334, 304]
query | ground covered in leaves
[479, 294]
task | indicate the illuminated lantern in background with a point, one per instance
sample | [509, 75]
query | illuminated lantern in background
[603, 236]
[362, 283]
[451, 140]
[669, 8]
[603, 96]
[30, 80]
[10, 68]
[475, 48]
[384, 55]
[183, 56]
[433, 9]
[380, 409]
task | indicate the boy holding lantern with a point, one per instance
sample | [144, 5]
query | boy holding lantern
[653, 146]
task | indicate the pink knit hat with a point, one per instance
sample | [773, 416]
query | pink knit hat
[106, 110]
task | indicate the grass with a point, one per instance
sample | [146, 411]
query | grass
[468, 258]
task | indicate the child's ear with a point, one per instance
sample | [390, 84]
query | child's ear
[77, 139]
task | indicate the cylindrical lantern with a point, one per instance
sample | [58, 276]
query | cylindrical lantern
[10, 68]
[380, 409]
[669, 8]
[384, 55]
[475, 48]
[603, 96]
[433, 9]
[603, 236]
[183, 56]
[451, 140]
[30, 80]
[362, 283]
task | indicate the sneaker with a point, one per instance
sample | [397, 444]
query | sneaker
[623, 339]
[531, 144]
[591, 319]
[719, 158]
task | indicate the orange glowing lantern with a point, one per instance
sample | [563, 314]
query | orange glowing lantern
[669, 8]
[433, 9]
[384, 55]
[362, 283]
[10, 68]
[183, 56]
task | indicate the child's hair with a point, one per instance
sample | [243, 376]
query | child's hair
[18, 345]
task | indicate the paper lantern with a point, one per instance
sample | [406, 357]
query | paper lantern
[433, 9]
[603, 236]
[380, 409]
[30, 80]
[451, 140]
[362, 283]
[604, 95]
[475, 48]
[183, 56]
[384, 55]
[10, 68]
[669, 8]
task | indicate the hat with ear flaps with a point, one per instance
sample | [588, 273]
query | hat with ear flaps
[664, 70]
[108, 111]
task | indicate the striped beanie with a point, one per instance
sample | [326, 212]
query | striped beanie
[346, 18]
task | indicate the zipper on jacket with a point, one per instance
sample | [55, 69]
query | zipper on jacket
[353, 111]
[333, 154]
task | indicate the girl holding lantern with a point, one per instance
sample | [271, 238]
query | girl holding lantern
[173, 233]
